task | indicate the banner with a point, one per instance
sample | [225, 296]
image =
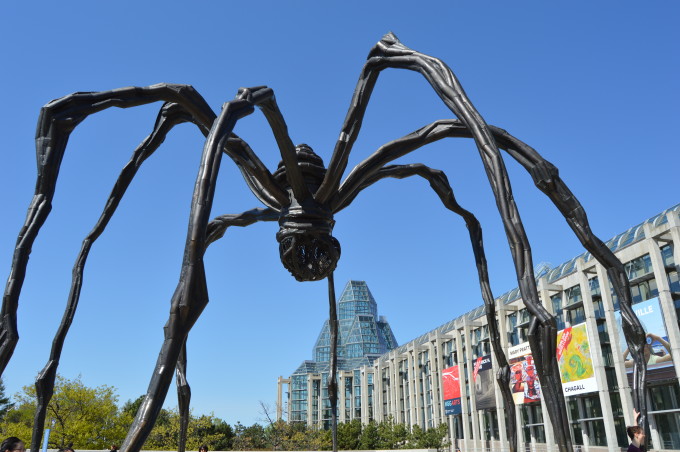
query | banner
[523, 377]
[482, 375]
[657, 349]
[451, 389]
[576, 364]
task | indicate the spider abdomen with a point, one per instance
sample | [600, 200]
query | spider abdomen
[311, 165]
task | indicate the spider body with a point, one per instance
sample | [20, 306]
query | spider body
[306, 245]
[303, 195]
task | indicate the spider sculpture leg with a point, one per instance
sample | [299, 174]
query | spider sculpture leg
[332, 375]
[170, 115]
[190, 297]
[440, 184]
[57, 120]
[183, 397]
[390, 53]
[547, 179]
[216, 229]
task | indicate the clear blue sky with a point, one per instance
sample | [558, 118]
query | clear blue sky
[591, 85]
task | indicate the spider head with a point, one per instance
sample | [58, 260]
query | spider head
[306, 246]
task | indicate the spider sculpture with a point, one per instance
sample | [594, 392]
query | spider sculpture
[303, 196]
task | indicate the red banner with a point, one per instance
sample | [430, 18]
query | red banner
[564, 342]
[478, 363]
[451, 383]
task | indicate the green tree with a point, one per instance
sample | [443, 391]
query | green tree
[295, 437]
[131, 407]
[386, 436]
[214, 432]
[86, 417]
[349, 434]
[5, 402]
[249, 438]
[320, 440]
[18, 421]
[432, 438]
[401, 435]
[369, 437]
[204, 429]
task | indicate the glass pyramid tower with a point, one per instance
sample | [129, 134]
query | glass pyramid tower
[362, 334]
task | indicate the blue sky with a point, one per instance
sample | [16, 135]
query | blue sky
[590, 85]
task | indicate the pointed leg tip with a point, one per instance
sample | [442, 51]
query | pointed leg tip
[389, 38]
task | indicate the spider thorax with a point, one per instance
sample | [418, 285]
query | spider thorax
[306, 246]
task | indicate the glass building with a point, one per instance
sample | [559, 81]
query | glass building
[363, 336]
[407, 382]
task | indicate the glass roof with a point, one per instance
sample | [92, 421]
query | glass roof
[362, 334]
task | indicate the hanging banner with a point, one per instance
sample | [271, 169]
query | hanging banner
[482, 374]
[657, 349]
[451, 389]
[524, 382]
[576, 364]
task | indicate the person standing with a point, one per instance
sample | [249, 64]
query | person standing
[636, 435]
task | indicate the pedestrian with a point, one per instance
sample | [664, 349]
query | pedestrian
[12, 444]
[203, 448]
[636, 435]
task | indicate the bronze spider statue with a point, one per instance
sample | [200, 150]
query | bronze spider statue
[303, 195]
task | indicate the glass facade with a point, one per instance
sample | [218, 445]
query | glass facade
[362, 337]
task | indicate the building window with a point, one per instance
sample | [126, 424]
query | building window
[532, 422]
[667, 255]
[513, 333]
[490, 425]
[594, 422]
[357, 394]
[348, 398]
[642, 282]
[369, 378]
[575, 316]
[574, 313]
[298, 398]
[385, 393]
[665, 408]
[619, 422]
[559, 311]
[573, 295]
[449, 353]
[523, 320]
[586, 419]
[574, 416]
[639, 267]
[644, 290]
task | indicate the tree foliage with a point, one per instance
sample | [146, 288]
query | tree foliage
[5, 402]
[203, 429]
[89, 418]
[86, 417]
